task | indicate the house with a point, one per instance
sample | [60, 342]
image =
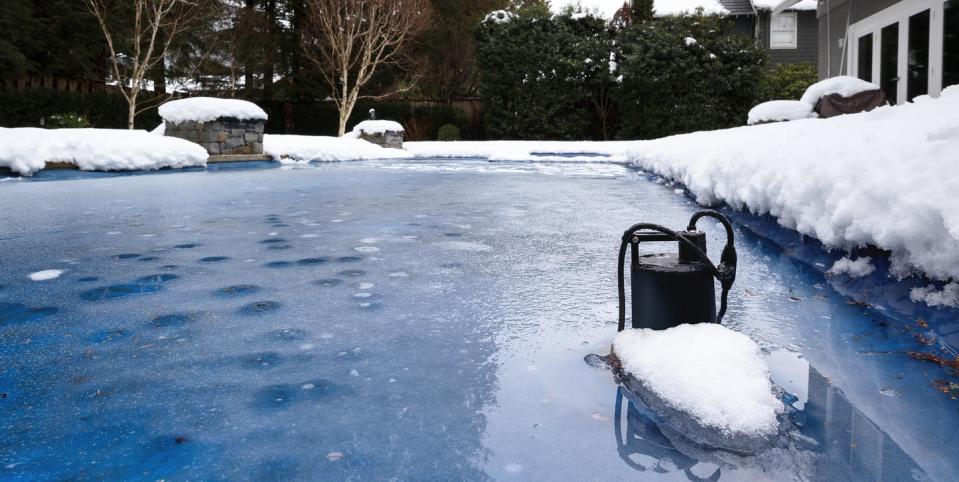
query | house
[907, 47]
[787, 29]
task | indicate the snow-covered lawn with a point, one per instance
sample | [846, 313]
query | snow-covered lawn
[27, 150]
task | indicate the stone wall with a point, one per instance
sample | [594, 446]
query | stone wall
[389, 139]
[224, 136]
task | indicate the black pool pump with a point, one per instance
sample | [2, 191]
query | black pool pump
[670, 289]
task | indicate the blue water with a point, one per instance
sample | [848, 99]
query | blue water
[407, 320]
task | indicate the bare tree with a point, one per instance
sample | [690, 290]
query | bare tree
[137, 49]
[349, 40]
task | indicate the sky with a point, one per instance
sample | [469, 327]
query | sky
[606, 7]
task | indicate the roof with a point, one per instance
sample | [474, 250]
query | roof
[739, 7]
[680, 7]
[772, 4]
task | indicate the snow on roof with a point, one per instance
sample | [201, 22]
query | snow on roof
[714, 374]
[680, 7]
[207, 109]
[377, 127]
[771, 4]
[843, 85]
[780, 110]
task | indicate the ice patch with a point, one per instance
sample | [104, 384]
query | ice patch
[398, 274]
[366, 286]
[366, 249]
[45, 275]
[855, 269]
[714, 374]
[466, 246]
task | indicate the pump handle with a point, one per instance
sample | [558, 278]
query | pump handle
[725, 272]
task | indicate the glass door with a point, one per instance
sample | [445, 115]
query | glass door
[889, 62]
[950, 44]
[865, 58]
[918, 55]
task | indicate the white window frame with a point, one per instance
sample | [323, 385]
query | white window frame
[794, 44]
[900, 13]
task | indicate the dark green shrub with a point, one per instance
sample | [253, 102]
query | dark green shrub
[786, 81]
[684, 74]
[448, 132]
[101, 109]
[69, 120]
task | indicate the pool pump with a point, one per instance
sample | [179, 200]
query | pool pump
[669, 289]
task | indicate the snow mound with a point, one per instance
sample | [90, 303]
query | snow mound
[377, 127]
[779, 111]
[684, 7]
[885, 178]
[948, 296]
[843, 85]
[714, 374]
[45, 275]
[326, 149]
[855, 269]
[27, 150]
[207, 109]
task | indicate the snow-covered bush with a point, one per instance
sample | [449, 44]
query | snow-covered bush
[843, 85]
[786, 81]
[780, 111]
[448, 132]
[70, 120]
[684, 74]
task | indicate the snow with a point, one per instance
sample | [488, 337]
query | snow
[689, 41]
[499, 16]
[803, 5]
[780, 110]
[855, 269]
[326, 149]
[948, 296]
[377, 127]
[539, 151]
[45, 275]
[206, 109]
[885, 178]
[714, 374]
[842, 85]
[159, 130]
[27, 150]
[681, 7]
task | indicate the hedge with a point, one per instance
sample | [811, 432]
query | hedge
[103, 109]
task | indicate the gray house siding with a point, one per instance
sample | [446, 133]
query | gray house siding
[807, 39]
[834, 17]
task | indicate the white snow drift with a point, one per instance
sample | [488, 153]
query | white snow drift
[207, 109]
[325, 149]
[714, 374]
[27, 150]
[843, 85]
[886, 178]
[780, 111]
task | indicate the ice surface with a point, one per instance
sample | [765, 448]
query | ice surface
[843, 85]
[27, 150]
[780, 110]
[207, 109]
[707, 370]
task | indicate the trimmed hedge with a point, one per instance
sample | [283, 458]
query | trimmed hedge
[321, 119]
[786, 81]
[102, 109]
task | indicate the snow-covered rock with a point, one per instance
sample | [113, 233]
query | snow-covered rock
[886, 178]
[27, 150]
[780, 111]
[207, 109]
[327, 149]
[714, 374]
[377, 127]
[843, 85]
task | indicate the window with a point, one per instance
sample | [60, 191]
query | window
[950, 44]
[889, 62]
[865, 58]
[783, 31]
[918, 69]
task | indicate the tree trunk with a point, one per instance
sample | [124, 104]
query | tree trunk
[131, 112]
[269, 58]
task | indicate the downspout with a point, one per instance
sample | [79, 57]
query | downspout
[845, 44]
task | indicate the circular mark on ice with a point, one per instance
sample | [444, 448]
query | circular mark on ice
[466, 246]
[187, 246]
[289, 334]
[175, 319]
[362, 295]
[367, 249]
[157, 278]
[335, 456]
[348, 259]
[453, 235]
[278, 264]
[352, 273]
[148, 258]
[118, 291]
[279, 247]
[127, 256]
[312, 261]
[169, 267]
[19, 313]
[365, 286]
[273, 241]
[260, 307]
[260, 361]
[398, 274]
[214, 259]
[369, 240]
[47, 274]
[237, 290]
[88, 279]
[329, 282]
[513, 468]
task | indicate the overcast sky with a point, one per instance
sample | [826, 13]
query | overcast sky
[606, 7]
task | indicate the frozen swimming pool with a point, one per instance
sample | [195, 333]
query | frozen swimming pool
[416, 320]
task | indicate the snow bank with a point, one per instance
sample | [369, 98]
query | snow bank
[27, 150]
[855, 269]
[207, 109]
[842, 85]
[716, 375]
[378, 127]
[317, 148]
[779, 111]
[886, 178]
[532, 151]
[681, 7]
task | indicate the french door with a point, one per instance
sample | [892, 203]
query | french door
[905, 49]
